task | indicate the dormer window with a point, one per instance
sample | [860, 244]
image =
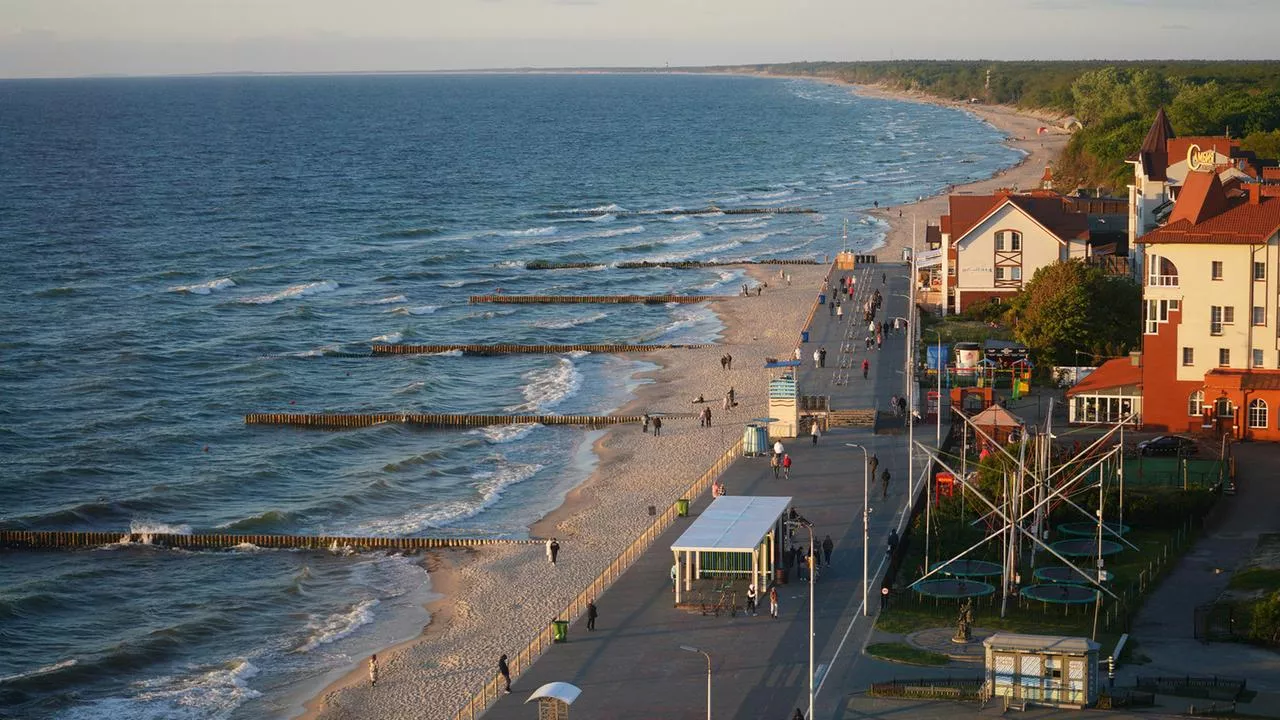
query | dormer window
[1009, 241]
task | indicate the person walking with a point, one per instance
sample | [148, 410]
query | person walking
[872, 464]
[592, 614]
[884, 483]
[645, 420]
[775, 461]
[822, 357]
[839, 313]
[706, 412]
[815, 432]
[893, 542]
[831, 308]
[778, 449]
[786, 466]
[657, 427]
[773, 602]
[373, 671]
[550, 558]
[732, 401]
[751, 599]
[866, 366]
[505, 672]
[798, 715]
[817, 357]
[827, 547]
[729, 361]
[893, 404]
[871, 328]
[553, 550]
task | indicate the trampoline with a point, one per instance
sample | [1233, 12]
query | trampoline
[953, 588]
[1058, 574]
[967, 568]
[1086, 547]
[1060, 594]
[1090, 529]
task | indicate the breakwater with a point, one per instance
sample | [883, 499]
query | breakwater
[571, 299]
[336, 421]
[56, 539]
[512, 349]
[676, 265]
[709, 210]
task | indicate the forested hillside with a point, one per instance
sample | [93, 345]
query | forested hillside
[1115, 101]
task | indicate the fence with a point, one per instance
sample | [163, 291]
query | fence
[493, 689]
[966, 688]
[55, 539]
[515, 349]
[1212, 687]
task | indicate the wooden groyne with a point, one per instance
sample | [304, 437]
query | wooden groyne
[709, 210]
[55, 539]
[332, 421]
[572, 299]
[677, 265]
[511, 349]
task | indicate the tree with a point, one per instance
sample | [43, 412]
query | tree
[1072, 306]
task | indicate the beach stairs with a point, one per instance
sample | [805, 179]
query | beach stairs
[861, 417]
[888, 423]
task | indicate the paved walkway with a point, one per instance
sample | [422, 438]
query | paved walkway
[632, 665]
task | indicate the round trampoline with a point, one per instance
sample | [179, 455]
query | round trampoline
[1090, 529]
[1060, 594]
[953, 588]
[967, 568]
[1086, 547]
[1058, 574]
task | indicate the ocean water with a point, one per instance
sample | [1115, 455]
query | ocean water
[178, 252]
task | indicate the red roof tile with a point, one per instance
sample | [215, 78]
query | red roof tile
[1201, 198]
[1050, 210]
[1120, 372]
[1241, 223]
[1255, 379]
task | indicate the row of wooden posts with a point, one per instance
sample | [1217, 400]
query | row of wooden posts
[54, 539]
[584, 299]
[326, 420]
[513, 349]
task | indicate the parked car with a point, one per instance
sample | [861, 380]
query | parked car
[1168, 445]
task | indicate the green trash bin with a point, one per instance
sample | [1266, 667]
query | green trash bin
[560, 631]
[682, 507]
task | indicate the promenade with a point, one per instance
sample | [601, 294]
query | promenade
[632, 665]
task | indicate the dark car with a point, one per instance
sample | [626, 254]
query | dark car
[1168, 445]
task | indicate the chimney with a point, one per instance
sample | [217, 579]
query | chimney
[1135, 359]
[1255, 193]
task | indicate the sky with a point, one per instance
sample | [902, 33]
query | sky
[62, 38]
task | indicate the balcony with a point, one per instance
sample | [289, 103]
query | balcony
[1162, 281]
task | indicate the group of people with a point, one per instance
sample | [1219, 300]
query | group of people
[820, 357]
[773, 600]
[655, 421]
[780, 461]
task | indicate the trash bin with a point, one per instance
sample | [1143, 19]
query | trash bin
[682, 507]
[822, 298]
[804, 336]
[560, 631]
[780, 576]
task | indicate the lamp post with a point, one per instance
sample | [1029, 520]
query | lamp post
[690, 648]
[938, 430]
[809, 526]
[866, 520]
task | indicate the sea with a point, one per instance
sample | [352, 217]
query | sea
[178, 252]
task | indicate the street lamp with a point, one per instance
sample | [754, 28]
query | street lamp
[690, 648]
[939, 363]
[809, 526]
[866, 519]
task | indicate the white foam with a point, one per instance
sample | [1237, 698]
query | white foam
[338, 625]
[213, 694]
[416, 310]
[512, 264]
[773, 195]
[571, 322]
[293, 291]
[529, 232]
[413, 387]
[614, 232]
[505, 433]
[150, 527]
[601, 218]
[204, 288]
[471, 281]
[610, 208]
[389, 338]
[39, 671]
[678, 218]
[547, 387]
[681, 238]
[391, 300]
[489, 484]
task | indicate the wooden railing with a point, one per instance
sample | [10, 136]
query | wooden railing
[522, 660]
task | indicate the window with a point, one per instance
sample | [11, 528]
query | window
[1215, 320]
[1229, 315]
[1216, 270]
[1009, 241]
[1188, 356]
[1259, 315]
[1015, 273]
[1259, 270]
[1258, 413]
[1257, 357]
[1224, 357]
[1195, 403]
[1224, 408]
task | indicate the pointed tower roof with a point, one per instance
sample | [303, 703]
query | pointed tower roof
[1202, 197]
[1154, 153]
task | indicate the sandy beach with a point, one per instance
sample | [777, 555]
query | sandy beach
[496, 599]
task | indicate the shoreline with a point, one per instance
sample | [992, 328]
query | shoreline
[602, 513]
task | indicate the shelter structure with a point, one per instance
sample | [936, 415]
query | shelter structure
[1042, 669]
[1110, 394]
[998, 423]
[784, 406]
[554, 700]
[737, 536]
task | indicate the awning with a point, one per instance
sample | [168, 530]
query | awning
[733, 523]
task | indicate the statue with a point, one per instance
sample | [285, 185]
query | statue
[964, 623]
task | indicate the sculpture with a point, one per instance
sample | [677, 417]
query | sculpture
[964, 622]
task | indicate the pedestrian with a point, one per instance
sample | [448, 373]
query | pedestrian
[871, 328]
[788, 279]
[799, 715]
[817, 357]
[728, 361]
[839, 313]
[675, 573]
[815, 432]
[505, 672]
[786, 466]
[822, 357]
[831, 307]
[884, 278]
[866, 366]
[775, 461]
[732, 401]
[797, 352]
[893, 541]
[645, 420]
[893, 403]
[751, 600]
[550, 559]
[727, 404]
[592, 614]
[773, 602]
[884, 483]
[827, 547]
[778, 449]
[879, 341]
[554, 550]
[707, 413]
[373, 671]
[902, 404]
[884, 597]
[657, 427]
[873, 463]
[723, 363]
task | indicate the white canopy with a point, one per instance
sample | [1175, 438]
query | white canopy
[562, 691]
[732, 523]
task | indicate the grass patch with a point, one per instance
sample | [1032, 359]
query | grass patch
[955, 330]
[904, 653]
[1256, 579]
